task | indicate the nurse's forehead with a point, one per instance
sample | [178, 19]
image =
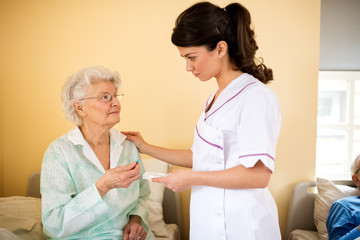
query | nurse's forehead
[186, 51]
[187, 54]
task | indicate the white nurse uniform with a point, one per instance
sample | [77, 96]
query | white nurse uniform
[241, 128]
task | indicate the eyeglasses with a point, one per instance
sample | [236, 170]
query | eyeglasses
[357, 171]
[106, 97]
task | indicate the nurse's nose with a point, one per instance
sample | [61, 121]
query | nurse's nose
[189, 66]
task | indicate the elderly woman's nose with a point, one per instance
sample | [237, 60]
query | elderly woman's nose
[115, 101]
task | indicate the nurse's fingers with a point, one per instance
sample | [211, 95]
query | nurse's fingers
[136, 138]
[160, 180]
[131, 133]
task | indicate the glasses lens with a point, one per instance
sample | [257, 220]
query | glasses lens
[120, 97]
[106, 97]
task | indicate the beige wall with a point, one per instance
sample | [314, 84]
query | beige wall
[2, 92]
[46, 41]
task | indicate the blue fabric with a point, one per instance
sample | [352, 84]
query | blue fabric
[344, 218]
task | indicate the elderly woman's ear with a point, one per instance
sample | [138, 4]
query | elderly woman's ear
[356, 180]
[79, 108]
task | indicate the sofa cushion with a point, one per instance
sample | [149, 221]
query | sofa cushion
[155, 200]
[328, 192]
[21, 216]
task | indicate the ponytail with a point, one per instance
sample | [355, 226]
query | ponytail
[242, 44]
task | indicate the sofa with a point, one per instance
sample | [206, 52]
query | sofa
[310, 206]
[20, 216]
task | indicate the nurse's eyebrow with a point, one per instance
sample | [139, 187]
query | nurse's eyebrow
[186, 55]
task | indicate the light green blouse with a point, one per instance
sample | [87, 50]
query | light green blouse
[72, 207]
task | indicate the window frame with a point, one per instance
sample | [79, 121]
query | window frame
[349, 126]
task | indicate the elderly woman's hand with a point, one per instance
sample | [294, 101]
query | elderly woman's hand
[119, 177]
[133, 230]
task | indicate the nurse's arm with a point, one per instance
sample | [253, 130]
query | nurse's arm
[178, 157]
[238, 177]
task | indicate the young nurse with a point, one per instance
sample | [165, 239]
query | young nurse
[233, 154]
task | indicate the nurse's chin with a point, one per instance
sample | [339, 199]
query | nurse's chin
[204, 79]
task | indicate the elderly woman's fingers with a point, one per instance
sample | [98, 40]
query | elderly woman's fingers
[128, 170]
[126, 232]
[134, 231]
[129, 166]
[125, 178]
[143, 235]
[137, 232]
[119, 177]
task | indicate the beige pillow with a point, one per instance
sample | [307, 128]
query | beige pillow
[21, 216]
[154, 202]
[328, 192]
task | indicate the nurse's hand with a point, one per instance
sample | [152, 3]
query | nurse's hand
[178, 180]
[119, 177]
[133, 230]
[137, 139]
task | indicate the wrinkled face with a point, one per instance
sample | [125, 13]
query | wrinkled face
[98, 112]
[202, 63]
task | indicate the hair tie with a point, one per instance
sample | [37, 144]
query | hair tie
[224, 9]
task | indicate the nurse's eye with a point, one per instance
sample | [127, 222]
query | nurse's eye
[191, 58]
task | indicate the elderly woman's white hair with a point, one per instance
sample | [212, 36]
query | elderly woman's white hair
[354, 166]
[74, 88]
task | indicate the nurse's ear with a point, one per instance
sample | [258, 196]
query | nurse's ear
[221, 48]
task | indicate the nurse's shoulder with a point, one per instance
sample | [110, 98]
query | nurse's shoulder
[259, 94]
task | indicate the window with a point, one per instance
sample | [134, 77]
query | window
[338, 123]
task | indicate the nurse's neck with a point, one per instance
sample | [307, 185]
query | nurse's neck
[225, 78]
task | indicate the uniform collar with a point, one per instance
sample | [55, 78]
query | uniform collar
[232, 90]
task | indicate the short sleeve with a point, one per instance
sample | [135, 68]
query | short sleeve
[258, 128]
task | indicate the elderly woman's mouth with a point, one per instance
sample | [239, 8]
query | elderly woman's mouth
[115, 112]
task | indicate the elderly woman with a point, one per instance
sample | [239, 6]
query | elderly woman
[90, 177]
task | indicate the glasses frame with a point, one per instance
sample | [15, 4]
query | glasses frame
[118, 96]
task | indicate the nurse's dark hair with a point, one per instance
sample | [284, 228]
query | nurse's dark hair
[205, 24]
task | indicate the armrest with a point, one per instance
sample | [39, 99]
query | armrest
[33, 187]
[301, 212]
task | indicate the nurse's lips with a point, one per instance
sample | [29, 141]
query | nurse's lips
[196, 75]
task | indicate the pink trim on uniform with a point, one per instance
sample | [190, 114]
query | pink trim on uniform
[258, 154]
[212, 144]
[229, 100]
